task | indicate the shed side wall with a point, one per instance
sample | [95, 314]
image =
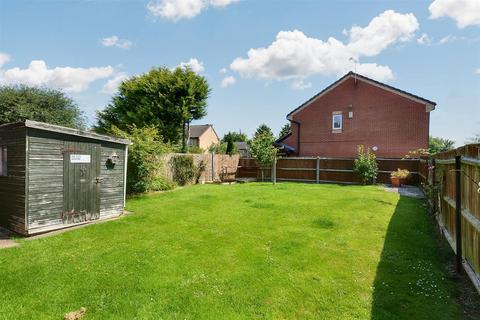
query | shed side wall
[111, 188]
[12, 187]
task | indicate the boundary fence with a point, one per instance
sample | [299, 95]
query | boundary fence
[324, 170]
[451, 181]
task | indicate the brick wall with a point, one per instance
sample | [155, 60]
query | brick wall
[393, 123]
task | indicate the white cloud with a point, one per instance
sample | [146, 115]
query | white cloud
[424, 39]
[4, 58]
[300, 85]
[293, 55]
[223, 70]
[112, 85]
[464, 12]
[183, 9]
[115, 41]
[228, 81]
[477, 71]
[385, 29]
[194, 64]
[66, 78]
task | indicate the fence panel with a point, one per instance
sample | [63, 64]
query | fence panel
[443, 182]
[336, 170]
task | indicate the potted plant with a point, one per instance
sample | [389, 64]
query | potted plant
[399, 177]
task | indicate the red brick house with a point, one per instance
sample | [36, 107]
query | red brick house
[356, 110]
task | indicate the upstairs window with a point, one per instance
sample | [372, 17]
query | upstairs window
[3, 161]
[337, 121]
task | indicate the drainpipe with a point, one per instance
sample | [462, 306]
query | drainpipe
[298, 136]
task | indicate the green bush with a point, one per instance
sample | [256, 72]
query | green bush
[195, 150]
[184, 170]
[366, 166]
[145, 159]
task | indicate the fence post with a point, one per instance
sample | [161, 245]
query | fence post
[317, 177]
[213, 166]
[434, 186]
[274, 170]
[458, 211]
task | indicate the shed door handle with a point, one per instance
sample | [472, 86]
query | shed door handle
[98, 180]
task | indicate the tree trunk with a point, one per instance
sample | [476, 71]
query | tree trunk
[184, 134]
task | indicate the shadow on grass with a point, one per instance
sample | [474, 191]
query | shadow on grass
[411, 282]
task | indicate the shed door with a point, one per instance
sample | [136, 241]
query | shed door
[81, 182]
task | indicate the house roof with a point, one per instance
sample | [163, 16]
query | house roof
[241, 145]
[196, 130]
[360, 77]
[70, 131]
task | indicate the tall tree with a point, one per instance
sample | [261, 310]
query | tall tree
[19, 103]
[263, 129]
[286, 129]
[437, 144]
[235, 137]
[166, 99]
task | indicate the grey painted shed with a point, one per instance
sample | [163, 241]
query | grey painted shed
[53, 177]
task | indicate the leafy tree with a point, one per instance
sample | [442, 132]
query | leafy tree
[166, 99]
[474, 139]
[235, 137]
[262, 149]
[286, 129]
[437, 144]
[263, 129]
[365, 165]
[144, 159]
[19, 103]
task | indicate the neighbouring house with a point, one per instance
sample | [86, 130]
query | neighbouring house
[53, 177]
[202, 136]
[242, 148]
[356, 110]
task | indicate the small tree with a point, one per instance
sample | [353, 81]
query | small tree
[365, 165]
[262, 149]
[231, 148]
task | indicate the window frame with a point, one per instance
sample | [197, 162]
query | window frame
[3, 161]
[337, 114]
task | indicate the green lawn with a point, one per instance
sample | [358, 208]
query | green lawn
[290, 251]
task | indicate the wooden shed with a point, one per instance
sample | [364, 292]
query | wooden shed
[53, 177]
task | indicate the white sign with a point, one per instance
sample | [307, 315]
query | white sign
[80, 158]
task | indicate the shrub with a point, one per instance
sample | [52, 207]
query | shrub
[184, 170]
[219, 148]
[144, 159]
[195, 150]
[366, 166]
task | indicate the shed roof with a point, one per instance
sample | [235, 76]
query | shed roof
[360, 77]
[73, 132]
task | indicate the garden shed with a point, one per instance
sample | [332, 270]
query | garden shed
[53, 177]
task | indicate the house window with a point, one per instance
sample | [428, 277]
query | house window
[337, 121]
[3, 161]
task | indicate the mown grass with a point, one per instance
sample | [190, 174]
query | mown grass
[290, 251]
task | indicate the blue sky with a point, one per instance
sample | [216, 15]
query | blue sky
[429, 48]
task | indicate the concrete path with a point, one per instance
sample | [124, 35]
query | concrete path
[6, 240]
[407, 191]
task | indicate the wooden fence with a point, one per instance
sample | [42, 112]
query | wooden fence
[324, 170]
[452, 182]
